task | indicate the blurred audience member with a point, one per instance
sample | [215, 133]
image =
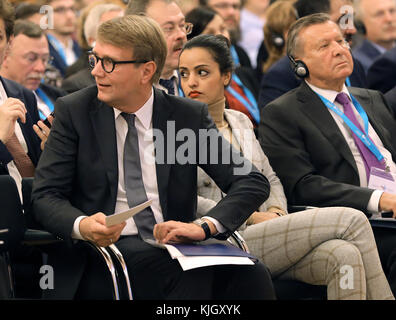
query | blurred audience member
[173, 24]
[280, 16]
[97, 15]
[280, 78]
[82, 62]
[378, 18]
[31, 12]
[19, 144]
[63, 48]
[230, 10]
[242, 92]
[381, 74]
[25, 63]
[253, 18]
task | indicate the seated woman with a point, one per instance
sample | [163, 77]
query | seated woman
[242, 93]
[315, 246]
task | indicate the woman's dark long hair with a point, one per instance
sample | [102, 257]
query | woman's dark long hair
[200, 17]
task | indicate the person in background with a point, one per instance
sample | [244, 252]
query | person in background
[230, 10]
[25, 63]
[279, 16]
[242, 92]
[82, 62]
[336, 236]
[378, 21]
[97, 15]
[171, 19]
[64, 49]
[253, 19]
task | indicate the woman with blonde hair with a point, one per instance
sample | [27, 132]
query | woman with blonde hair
[280, 16]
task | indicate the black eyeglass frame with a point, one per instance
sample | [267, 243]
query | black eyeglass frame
[114, 63]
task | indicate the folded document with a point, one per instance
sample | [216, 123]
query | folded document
[118, 218]
[198, 255]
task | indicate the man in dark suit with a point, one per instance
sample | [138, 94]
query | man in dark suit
[280, 78]
[378, 20]
[305, 133]
[85, 173]
[381, 75]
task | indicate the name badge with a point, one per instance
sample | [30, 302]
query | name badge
[382, 180]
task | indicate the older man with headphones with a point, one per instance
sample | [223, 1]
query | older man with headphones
[330, 144]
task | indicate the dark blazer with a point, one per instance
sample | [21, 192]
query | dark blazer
[366, 53]
[309, 153]
[57, 60]
[15, 90]
[52, 92]
[280, 79]
[78, 172]
[79, 80]
[381, 75]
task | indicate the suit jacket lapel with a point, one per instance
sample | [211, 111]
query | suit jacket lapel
[162, 110]
[313, 107]
[368, 105]
[102, 117]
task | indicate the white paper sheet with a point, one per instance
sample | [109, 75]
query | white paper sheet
[122, 216]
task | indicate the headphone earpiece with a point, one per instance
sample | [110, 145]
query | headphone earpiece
[277, 40]
[299, 67]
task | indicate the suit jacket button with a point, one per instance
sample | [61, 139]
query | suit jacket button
[207, 183]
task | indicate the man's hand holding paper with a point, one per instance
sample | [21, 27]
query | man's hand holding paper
[94, 229]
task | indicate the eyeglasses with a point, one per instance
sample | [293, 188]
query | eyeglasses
[108, 64]
[33, 57]
[225, 5]
[170, 28]
[63, 10]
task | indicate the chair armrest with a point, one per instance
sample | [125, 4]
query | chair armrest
[39, 237]
[237, 239]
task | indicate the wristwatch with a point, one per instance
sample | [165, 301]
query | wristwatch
[204, 225]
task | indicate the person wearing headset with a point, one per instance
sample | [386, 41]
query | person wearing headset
[279, 16]
[327, 142]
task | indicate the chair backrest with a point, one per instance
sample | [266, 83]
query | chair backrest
[27, 186]
[11, 214]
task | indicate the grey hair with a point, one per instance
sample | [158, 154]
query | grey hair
[140, 6]
[294, 43]
[93, 19]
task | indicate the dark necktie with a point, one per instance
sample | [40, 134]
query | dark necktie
[368, 157]
[168, 84]
[136, 194]
[21, 159]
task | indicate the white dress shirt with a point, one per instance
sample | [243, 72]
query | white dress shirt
[331, 95]
[144, 128]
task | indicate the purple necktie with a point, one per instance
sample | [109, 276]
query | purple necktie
[368, 157]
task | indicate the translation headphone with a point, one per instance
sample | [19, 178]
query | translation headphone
[299, 67]
[277, 39]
